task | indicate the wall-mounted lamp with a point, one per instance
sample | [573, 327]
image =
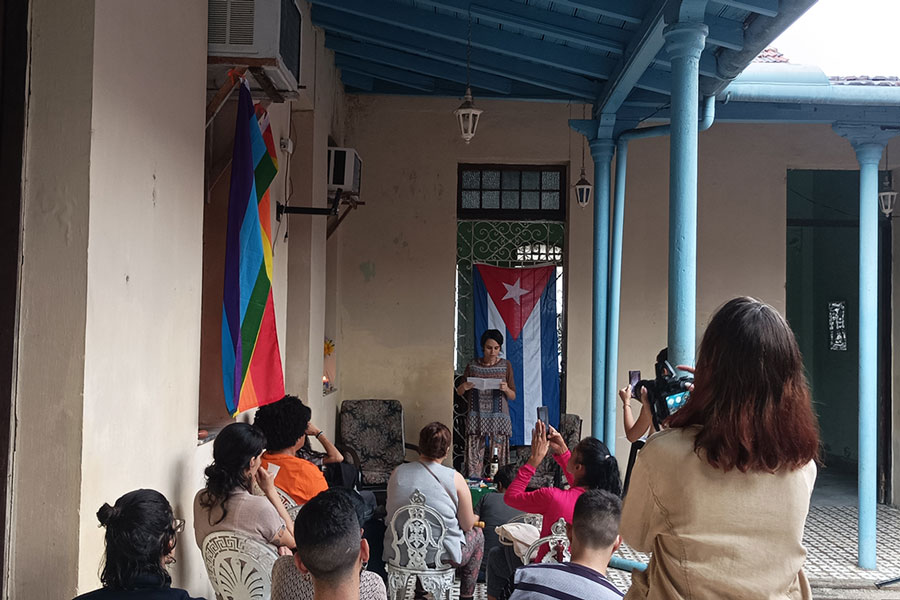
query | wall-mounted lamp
[887, 196]
[583, 187]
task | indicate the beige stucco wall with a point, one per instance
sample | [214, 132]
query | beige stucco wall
[142, 335]
[306, 285]
[398, 261]
[107, 374]
[50, 361]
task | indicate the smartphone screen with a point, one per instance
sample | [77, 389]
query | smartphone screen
[543, 414]
[633, 378]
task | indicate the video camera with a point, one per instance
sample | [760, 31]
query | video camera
[667, 393]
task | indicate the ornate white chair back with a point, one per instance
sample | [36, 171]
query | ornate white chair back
[239, 567]
[289, 503]
[417, 541]
[558, 542]
[418, 535]
[530, 518]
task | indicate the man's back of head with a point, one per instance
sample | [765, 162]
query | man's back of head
[330, 545]
[593, 536]
[595, 520]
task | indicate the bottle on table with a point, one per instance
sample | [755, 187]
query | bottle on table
[495, 463]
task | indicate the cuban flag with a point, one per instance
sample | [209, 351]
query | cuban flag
[521, 303]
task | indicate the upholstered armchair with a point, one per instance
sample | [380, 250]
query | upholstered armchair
[372, 433]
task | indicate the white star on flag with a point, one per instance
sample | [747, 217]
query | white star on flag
[515, 291]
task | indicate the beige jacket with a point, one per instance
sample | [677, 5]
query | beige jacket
[714, 534]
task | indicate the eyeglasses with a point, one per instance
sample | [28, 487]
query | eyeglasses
[178, 525]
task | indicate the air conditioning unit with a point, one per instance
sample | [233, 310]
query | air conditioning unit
[257, 33]
[344, 170]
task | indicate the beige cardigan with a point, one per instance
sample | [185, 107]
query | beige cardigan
[714, 534]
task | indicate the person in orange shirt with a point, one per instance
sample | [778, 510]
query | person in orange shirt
[286, 423]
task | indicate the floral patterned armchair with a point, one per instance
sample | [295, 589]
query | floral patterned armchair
[371, 431]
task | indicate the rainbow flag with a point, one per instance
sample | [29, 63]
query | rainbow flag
[251, 361]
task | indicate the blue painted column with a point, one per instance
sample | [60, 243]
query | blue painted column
[868, 141]
[615, 285]
[684, 43]
[868, 155]
[602, 152]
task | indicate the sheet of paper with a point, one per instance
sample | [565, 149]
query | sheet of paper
[273, 469]
[484, 384]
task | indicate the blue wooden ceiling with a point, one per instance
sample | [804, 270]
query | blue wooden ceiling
[607, 52]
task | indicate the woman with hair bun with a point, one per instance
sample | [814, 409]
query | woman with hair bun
[488, 416]
[446, 492]
[226, 504]
[720, 497]
[140, 542]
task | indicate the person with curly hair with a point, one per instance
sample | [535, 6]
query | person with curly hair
[286, 425]
[140, 542]
[226, 503]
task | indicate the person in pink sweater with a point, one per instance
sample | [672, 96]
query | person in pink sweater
[589, 466]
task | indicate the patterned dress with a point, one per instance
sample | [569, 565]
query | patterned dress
[487, 422]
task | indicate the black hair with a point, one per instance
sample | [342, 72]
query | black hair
[601, 470]
[283, 422]
[491, 334]
[505, 475]
[233, 449]
[661, 359]
[139, 533]
[596, 517]
[327, 532]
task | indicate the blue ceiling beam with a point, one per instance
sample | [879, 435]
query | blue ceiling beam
[772, 112]
[417, 64]
[362, 82]
[455, 53]
[540, 21]
[398, 76]
[768, 8]
[724, 33]
[654, 80]
[630, 11]
[646, 44]
[449, 28]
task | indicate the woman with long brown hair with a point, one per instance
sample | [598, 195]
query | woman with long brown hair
[720, 497]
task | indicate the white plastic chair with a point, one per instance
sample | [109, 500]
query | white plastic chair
[289, 504]
[558, 542]
[531, 518]
[417, 539]
[239, 567]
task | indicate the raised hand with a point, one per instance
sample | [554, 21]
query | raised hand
[539, 444]
[556, 441]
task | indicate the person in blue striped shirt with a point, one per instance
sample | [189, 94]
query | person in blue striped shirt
[593, 538]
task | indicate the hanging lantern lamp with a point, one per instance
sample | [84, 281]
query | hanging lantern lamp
[467, 115]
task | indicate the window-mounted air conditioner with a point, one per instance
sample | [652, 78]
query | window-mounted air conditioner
[267, 32]
[344, 170]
